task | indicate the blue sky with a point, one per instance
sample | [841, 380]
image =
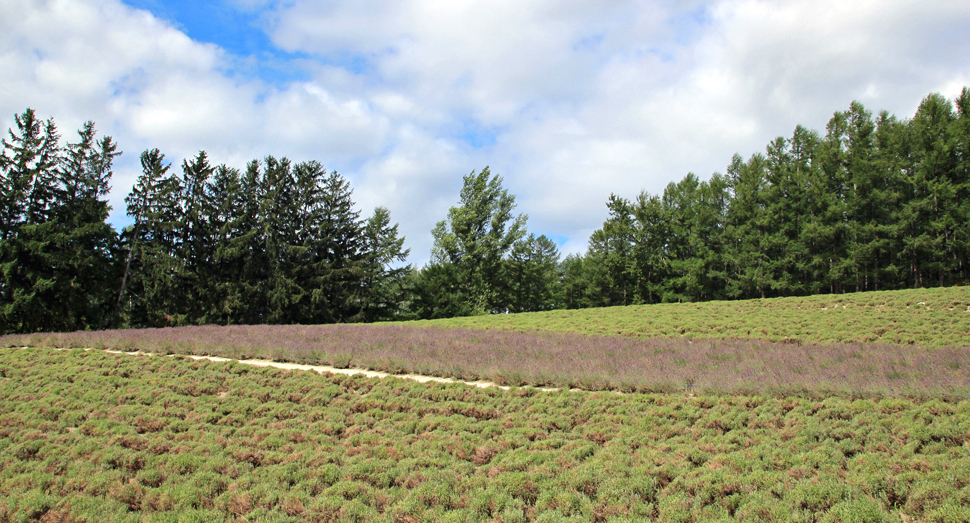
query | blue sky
[569, 101]
[241, 32]
[238, 31]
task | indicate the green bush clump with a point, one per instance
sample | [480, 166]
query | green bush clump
[931, 317]
[219, 442]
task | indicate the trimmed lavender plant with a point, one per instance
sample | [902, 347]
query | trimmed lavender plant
[559, 359]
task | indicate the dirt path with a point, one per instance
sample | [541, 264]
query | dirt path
[322, 369]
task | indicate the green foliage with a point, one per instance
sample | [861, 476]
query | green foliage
[874, 204]
[279, 243]
[530, 275]
[476, 238]
[385, 283]
[57, 253]
[167, 439]
[928, 317]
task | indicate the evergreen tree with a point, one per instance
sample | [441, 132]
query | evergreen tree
[57, 251]
[339, 252]
[960, 212]
[611, 256]
[696, 212]
[889, 270]
[278, 290]
[384, 279]
[231, 229]
[784, 201]
[30, 160]
[651, 257]
[436, 291]
[88, 266]
[195, 239]
[580, 277]
[149, 293]
[748, 224]
[933, 184]
[531, 275]
[826, 233]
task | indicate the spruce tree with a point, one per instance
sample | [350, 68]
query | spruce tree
[57, 253]
[149, 292]
[88, 267]
[230, 233]
[384, 279]
[31, 158]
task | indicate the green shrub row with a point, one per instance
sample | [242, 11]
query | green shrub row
[89, 436]
[936, 317]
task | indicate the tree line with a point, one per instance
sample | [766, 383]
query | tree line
[277, 242]
[874, 203]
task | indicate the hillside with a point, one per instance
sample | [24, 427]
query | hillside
[89, 436]
[937, 317]
[890, 342]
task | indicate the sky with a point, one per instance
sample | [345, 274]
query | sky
[568, 101]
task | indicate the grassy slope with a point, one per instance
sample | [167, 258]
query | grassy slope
[903, 341]
[929, 317]
[160, 439]
[89, 436]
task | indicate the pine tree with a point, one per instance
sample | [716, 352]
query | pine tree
[57, 253]
[384, 281]
[530, 275]
[148, 295]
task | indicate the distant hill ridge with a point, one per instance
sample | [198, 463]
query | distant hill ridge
[937, 317]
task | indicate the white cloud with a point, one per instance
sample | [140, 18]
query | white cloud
[100, 60]
[487, 59]
[147, 84]
[755, 71]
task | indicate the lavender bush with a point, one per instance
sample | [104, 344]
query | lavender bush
[559, 359]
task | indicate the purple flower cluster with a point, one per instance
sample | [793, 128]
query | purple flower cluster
[559, 359]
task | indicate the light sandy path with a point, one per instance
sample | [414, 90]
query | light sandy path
[350, 372]
[333, 370]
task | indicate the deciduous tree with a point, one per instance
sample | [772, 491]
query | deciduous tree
[476, 237]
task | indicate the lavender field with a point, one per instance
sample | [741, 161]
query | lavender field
[560, 359]
[938, 317]
[87, 436]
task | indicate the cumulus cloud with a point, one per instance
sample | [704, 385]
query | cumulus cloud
[750, 71]
[569, 101]
[103, 61]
